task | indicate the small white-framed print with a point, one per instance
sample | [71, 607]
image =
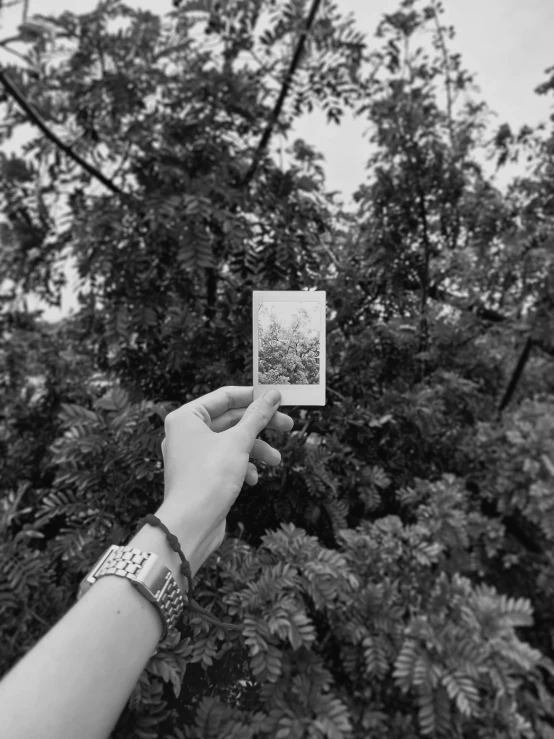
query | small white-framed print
[289, 344]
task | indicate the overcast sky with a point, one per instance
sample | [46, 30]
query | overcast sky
[506, 44]
[287, 312]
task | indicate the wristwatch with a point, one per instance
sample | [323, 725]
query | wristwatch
[149, 575]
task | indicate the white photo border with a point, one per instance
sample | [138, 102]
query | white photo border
[292, 395]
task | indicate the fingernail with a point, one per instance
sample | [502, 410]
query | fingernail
[272, 396]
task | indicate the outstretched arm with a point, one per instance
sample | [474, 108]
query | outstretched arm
[77, 679]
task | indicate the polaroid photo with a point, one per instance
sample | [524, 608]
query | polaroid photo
[289, 345]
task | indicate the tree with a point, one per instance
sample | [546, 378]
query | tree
[389, 582]
[289, 355]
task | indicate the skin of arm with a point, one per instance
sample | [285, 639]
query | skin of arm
[76, 680]
[79, 676]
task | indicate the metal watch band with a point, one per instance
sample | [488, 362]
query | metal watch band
[148, 574]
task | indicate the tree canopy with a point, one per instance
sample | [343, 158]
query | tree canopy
[288, 353]
[394, 575]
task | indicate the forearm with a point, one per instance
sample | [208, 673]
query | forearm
[79, 676]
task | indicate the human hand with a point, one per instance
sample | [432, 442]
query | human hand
[206, 452]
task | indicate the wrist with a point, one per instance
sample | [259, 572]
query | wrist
[153, 539]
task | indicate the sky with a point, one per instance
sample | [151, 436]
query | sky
[505, 44]
[286, 312]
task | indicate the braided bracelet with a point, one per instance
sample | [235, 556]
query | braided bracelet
[173, 542]
[186, 571]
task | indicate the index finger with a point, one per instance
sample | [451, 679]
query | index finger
[223, 399]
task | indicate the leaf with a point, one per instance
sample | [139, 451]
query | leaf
[72, 413]
[378, 422]
[549, 465]
[426, 713]
[168, 672]
[308, 184]
[301, 630]
[404, 665]
[116, 399]
[463, 691]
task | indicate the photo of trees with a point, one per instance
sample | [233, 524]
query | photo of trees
[288, 348]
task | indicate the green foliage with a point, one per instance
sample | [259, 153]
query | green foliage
[288, 355]
[397, 579]
[520, 451]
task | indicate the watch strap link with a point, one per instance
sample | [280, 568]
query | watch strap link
[147, 572]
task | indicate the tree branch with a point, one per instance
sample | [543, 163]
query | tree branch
[35, 118]
[282, 95]
[437, 293]
[447, 74]
[5, 46]
[517, 373]
[13, 4]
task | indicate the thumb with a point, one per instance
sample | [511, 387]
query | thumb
[258, 415]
